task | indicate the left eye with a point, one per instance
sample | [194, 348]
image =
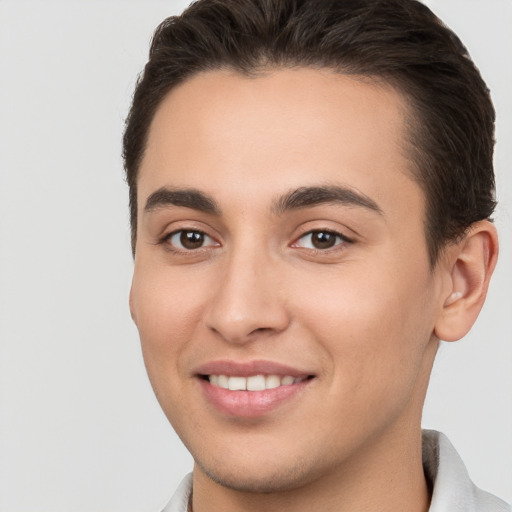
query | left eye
[189, 240]
[320, 239]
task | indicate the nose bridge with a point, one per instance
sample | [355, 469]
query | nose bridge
[247, 299]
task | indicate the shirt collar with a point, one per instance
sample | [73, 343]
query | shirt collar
[452, 489]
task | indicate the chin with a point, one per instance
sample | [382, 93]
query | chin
[261, 480]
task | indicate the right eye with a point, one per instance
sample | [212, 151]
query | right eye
[189, 240]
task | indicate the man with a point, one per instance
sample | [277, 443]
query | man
[311, 185]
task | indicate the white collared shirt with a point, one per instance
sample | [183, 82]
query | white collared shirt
[453, 490]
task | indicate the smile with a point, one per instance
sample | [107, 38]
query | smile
[251, 389]
[253, 382]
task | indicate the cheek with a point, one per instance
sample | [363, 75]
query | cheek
[166, 310]
[374, 330]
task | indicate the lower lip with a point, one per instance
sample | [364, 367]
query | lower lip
[250, 404]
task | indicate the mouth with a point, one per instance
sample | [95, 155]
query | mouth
[252, 389]
[253, 382]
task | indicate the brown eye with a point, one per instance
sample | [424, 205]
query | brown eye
[189, 240]
[321, 240]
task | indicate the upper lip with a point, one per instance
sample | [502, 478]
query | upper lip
[246, 369]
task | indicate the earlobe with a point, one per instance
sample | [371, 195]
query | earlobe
[471, 263]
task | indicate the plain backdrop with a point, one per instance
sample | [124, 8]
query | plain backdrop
[80, 429]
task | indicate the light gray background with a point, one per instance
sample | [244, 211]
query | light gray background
[80, 429]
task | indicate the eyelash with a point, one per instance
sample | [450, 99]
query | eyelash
[201, 237]
[339, 240]
[167, 239]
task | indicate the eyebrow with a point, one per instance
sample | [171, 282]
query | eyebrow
[188, 198]
[305, 197]
[302, 197]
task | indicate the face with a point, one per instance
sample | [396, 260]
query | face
[282, 286]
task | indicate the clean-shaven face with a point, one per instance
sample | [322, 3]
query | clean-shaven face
[282, 286]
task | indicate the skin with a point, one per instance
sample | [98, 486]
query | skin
[363, 317]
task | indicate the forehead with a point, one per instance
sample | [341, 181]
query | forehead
[281, 129]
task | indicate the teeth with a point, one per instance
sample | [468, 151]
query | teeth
[253, 383]
[237, 383]
[222, 381]
[272, 381]
[256, 383]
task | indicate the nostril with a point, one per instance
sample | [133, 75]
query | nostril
[262, 329]
[240, 323]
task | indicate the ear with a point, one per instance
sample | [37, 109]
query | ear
[470, 264]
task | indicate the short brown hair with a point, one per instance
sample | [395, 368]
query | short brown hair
[399, 41]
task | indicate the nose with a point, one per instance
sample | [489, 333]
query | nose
[248, 302]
